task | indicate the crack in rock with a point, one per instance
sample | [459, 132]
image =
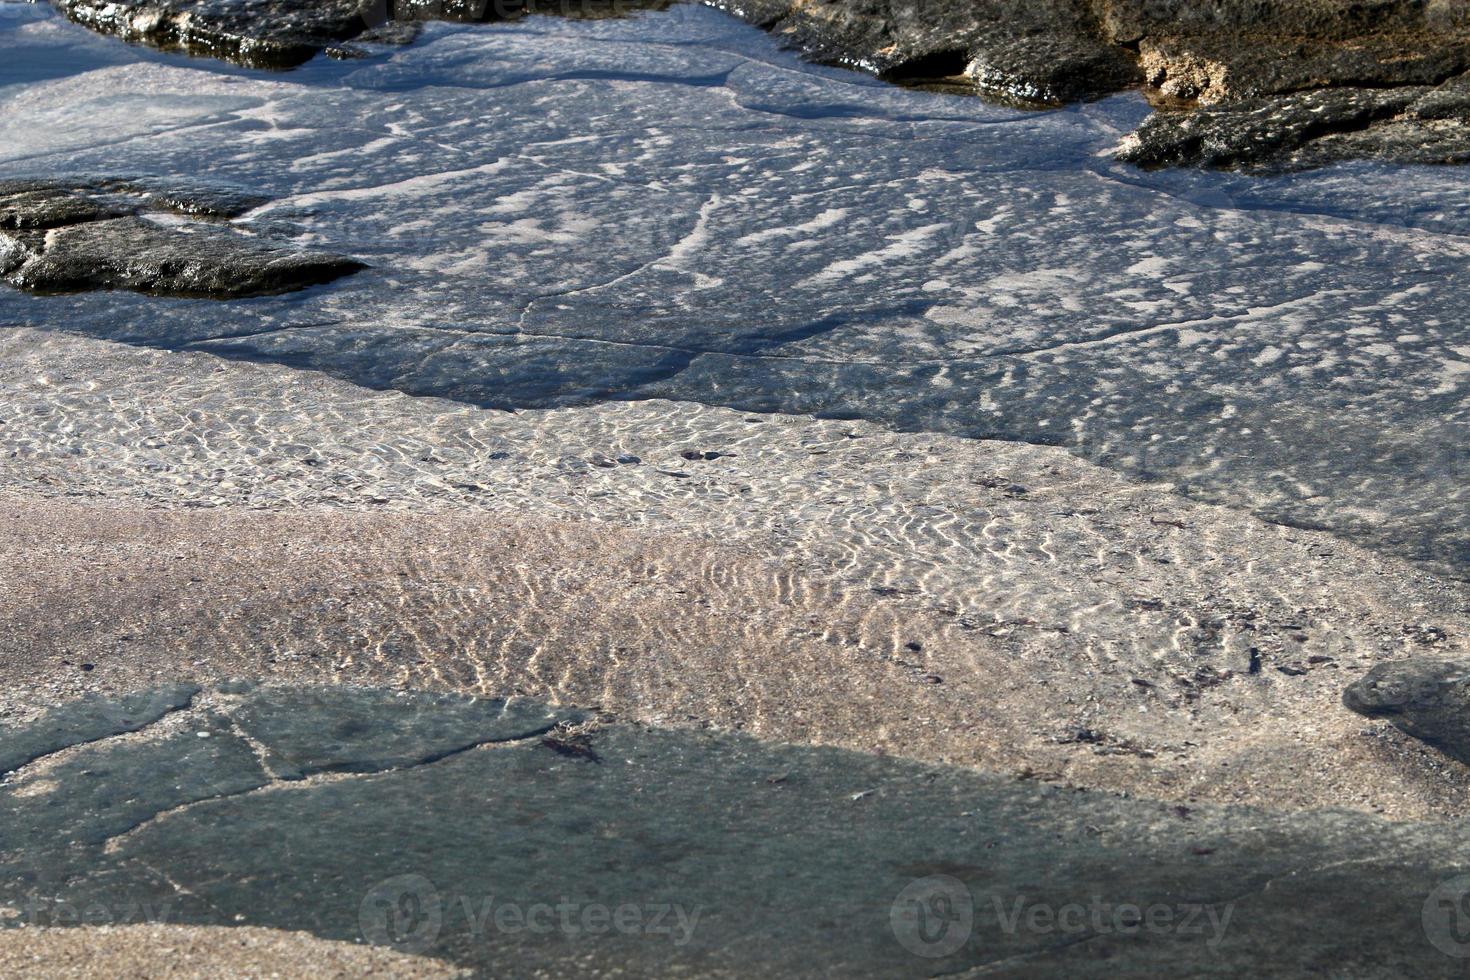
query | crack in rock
[90, 719]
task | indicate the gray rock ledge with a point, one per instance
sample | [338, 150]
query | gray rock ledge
[64, 236]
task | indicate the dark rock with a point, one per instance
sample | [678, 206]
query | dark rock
[193, 198]
[261, 33]
[24, 208]
[134, 253]
[94, 234]
[1035, 51]
[1267, 66]
[1307, 129]
[1428, 699]
[285, 33]
[720, 867]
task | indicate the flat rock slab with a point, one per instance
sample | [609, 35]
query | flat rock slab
[698, 853]
[1408, 124]
[98, 234]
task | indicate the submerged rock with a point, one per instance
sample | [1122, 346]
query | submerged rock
[96, 234]
[691, 852]
[1428, 699]
[88, 720]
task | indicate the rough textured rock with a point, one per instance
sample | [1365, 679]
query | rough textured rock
[1426, 698]
[725, 856]
[94, 234]
[1039, 51]
[1410, 124]
[286, 33]
[1233, 49]
[264, 33]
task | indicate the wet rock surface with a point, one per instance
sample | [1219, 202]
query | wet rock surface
[724, 854]
[1407, 124]
[1253, 62]
[264, 33]
[105, 234]
[1046, 51]
[1426, 698]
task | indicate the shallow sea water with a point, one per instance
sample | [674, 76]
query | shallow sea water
[563, 212]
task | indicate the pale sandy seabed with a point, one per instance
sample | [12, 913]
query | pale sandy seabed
[174, 515]
[174, 952]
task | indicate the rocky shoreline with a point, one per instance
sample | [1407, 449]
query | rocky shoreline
[1238, 84]
[745, 512]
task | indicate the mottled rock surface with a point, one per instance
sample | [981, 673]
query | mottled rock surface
[724, 854]
[1426, 698]
[97, 234]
